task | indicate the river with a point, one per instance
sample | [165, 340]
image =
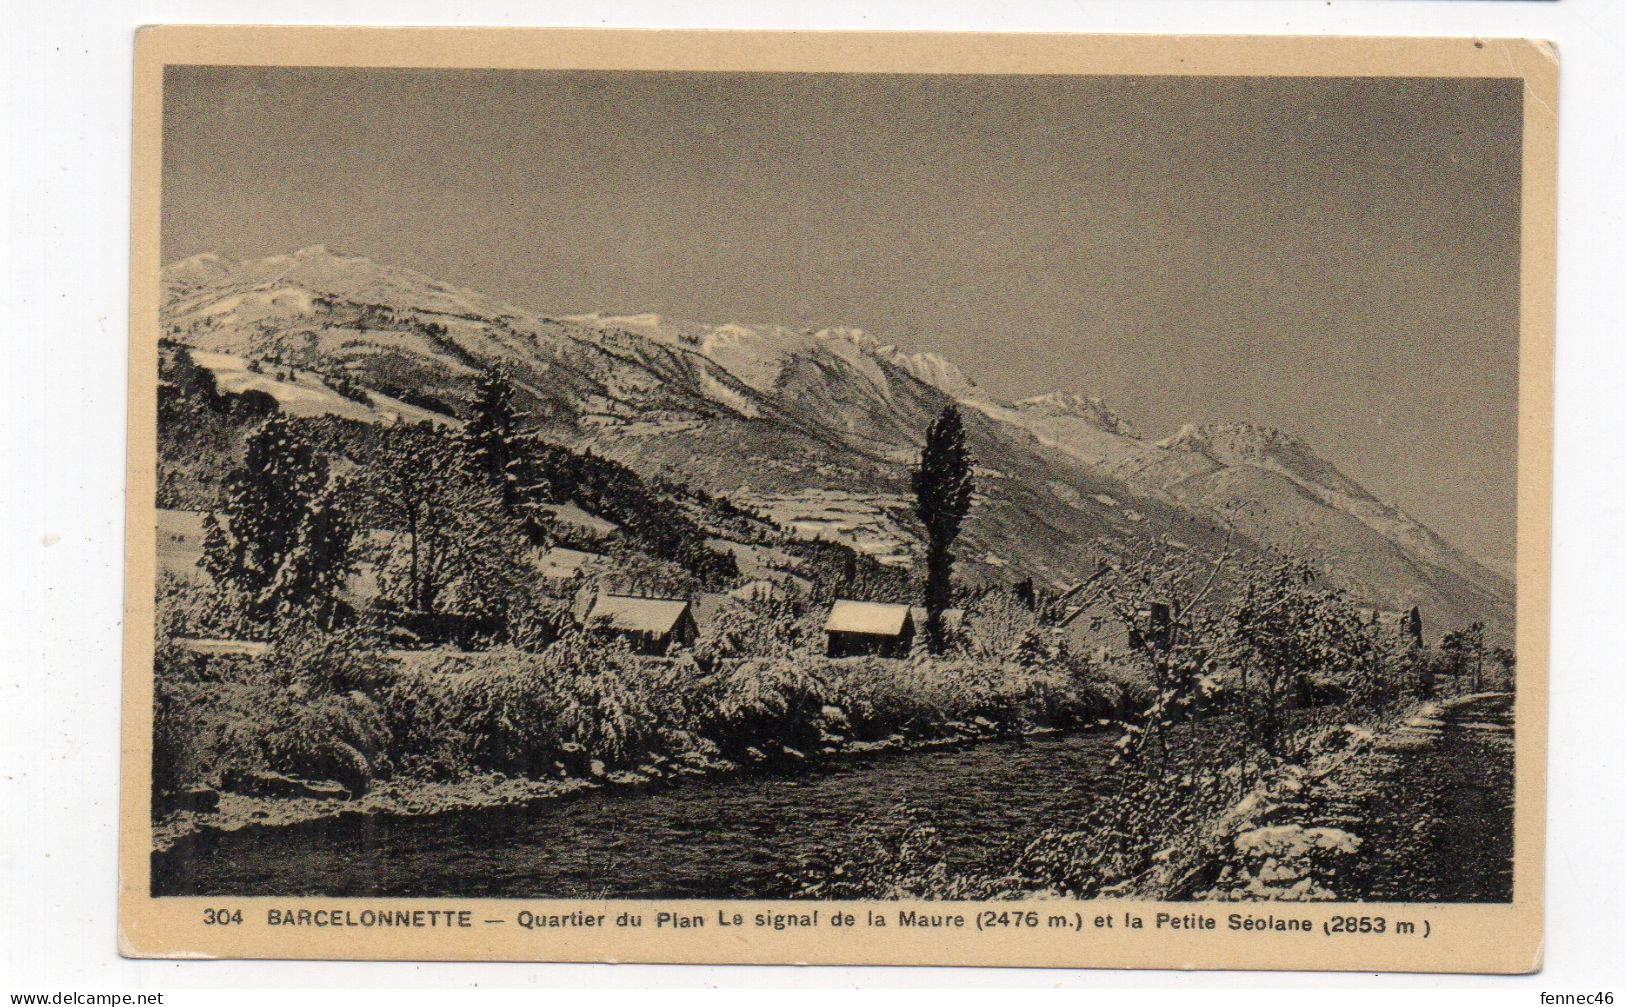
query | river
[725, 836]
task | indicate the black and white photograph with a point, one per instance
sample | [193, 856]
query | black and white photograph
[579, 484]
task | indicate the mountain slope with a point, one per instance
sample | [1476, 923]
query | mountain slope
[818, 427]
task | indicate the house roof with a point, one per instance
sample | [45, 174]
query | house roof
[564, 563]
[656, 616]
[867, 617]
[572, 514]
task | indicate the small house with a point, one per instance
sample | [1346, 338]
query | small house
[560, 565]
[1095, 628]
[652, 626]
[856, 628]
[1153, 627]
[1097, 631]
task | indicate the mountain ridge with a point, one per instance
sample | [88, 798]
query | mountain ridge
[769, 409]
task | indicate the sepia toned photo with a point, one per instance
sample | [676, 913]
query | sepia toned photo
[716, 494]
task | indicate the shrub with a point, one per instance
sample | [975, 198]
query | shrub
[1047, 696]
[536, 618]
[304, 709]
[296, 710]
[600, 701]
[777, 626]
[428, 738]
[881, 698]
[195, 608]
[768, 701]
[315, 663]
[996, 624]
[897, 857]
[182, 753]
[502, 700]
[334, 736]
[516, 710]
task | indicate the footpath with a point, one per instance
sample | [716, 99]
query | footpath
[1418, 812]
[1432, 802]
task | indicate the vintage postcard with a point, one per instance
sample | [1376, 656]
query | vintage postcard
[839, 498]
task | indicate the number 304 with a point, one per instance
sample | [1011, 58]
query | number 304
[222, 917]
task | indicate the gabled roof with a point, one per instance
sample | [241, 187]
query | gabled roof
[561, 563]
[571, 513]
[867, 617]
[656, 616]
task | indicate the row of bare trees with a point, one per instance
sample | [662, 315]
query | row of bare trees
[1259, 640]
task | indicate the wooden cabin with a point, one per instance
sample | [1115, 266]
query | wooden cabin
[652, 626]
[857, 628]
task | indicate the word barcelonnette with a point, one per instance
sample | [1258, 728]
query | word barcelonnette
[425, 919]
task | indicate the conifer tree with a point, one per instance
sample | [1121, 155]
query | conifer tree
[490, 436]
[942, 497]
[496, 449]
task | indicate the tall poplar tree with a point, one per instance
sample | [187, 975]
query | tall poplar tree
[942, 497]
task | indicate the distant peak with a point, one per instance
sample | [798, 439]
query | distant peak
[935, 370]
[851, 334]
[324, 252]
[199, 267]
[210, 258]
[1085, 407]
[642, 320]
[1235, 439]
[1266, 448]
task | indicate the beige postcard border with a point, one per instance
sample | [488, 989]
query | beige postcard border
[1461, 938]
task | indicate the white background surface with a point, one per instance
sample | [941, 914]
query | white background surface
[66, 108]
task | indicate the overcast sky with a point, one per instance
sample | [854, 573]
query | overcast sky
[1338, 258]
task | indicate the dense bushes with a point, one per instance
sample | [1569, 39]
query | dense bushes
[332, 707]
[200, 430]
[924, 695]
[762, 702]
[306, 708]
[196, 608]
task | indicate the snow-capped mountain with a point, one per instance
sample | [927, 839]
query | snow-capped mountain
[771, 413]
